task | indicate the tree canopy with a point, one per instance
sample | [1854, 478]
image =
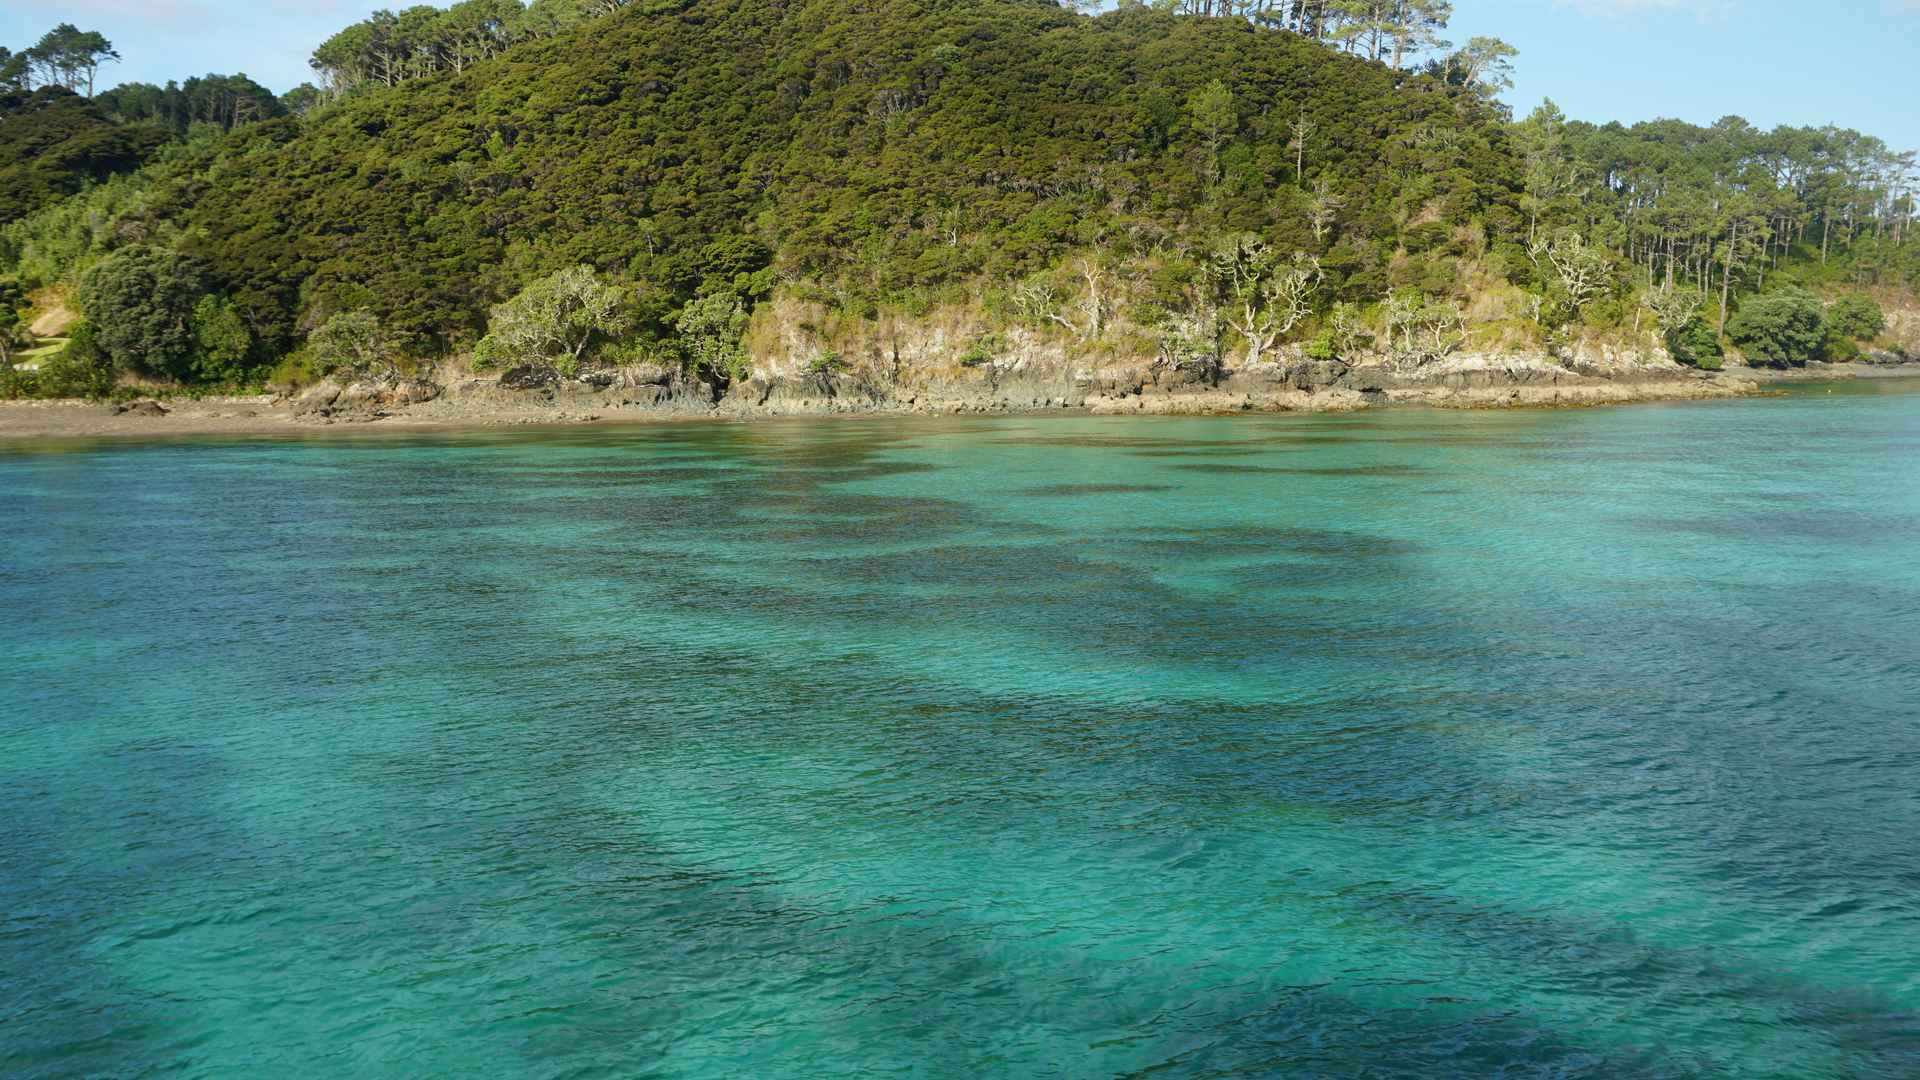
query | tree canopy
[65, 56]
[883, 153]
[685, 160]
[223, 100]
[54, 142]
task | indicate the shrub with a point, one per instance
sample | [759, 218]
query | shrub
[81, 369]
[12, 335]
[1190, 344]
[633, 351]
[1837, 347]
[1421, 329]
[351, 341]
[141, 303]
[1779, 328]
[223, 344]
[295, 369]
[1347, 326]
[554, 320]
[982, 350]
[12, 299]
[710, 329]
[1857, 317]
[824, 366]
[1695, 343]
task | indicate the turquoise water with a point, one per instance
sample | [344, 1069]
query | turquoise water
[1575, 744]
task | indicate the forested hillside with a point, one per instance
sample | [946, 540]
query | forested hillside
[881, 153]
[1198, 188]
[54, 142]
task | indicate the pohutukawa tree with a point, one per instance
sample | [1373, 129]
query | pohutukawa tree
[554, 320]
[1265, 294]
[1579, 271]
[353, 342]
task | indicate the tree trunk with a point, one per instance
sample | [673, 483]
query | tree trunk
[1726, 275]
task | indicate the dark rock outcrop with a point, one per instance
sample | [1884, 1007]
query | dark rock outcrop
[644, 375]
[1311, 375]
[143, 407]
[751, 392]
[529, 377]
[411, 392]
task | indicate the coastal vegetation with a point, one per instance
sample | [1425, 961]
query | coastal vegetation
[1206, 184]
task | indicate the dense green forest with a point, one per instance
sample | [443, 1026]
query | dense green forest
[54, 143]
[57, 136]
[1202, 184]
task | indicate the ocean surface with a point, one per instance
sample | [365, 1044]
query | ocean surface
[1403, 744]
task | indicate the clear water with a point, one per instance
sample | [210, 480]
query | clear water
[1404, 744]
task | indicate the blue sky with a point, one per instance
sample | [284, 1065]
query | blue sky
[1848, 62]
[1845, 62]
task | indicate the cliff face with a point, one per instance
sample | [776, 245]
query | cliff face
[917, 376]
[1903, 331]
[950, 360]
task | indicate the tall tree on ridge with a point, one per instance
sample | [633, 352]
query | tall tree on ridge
[71, 57]
[1416, 28]
[1483, 65]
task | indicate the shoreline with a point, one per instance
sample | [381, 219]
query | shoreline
[1848, 372]
[482, 407]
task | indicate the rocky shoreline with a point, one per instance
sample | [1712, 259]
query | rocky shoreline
[531, 396]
